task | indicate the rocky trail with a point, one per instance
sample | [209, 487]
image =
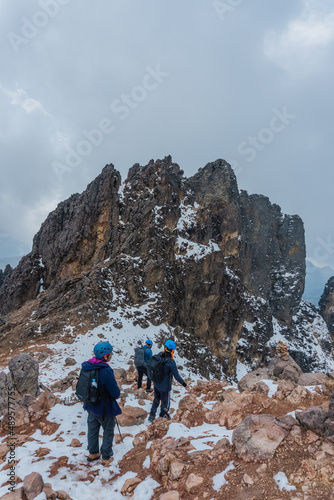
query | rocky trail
[270, 436]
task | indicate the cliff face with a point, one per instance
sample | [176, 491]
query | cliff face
[326, 304]
[274, 255]
[201, 255]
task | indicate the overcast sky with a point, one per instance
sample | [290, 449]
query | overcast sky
[83, 84]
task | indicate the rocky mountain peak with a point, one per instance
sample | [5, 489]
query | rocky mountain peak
[224, 267]
[216, 182]
[326, 304]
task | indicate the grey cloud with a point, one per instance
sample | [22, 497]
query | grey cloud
[221, 89]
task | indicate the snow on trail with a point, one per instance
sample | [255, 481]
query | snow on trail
[73, 419]
[202, 434]
[123, 340]
[219, 479]
[271, 385]
[282, 482]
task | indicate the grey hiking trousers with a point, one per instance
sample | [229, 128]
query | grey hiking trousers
[108, 425]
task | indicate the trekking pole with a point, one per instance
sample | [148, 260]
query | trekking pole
[167, 415]
[119, 430]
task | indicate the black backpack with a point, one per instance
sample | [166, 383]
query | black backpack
[155, 368]
[87, 391]
[139, 356]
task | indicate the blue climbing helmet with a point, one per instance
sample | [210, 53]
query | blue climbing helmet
[149, 342]
[170, 345]
[102, 348]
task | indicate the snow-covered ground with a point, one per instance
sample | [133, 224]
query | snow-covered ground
[72, 418]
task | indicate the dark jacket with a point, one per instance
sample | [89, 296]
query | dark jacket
[170, 370]
[108, 388]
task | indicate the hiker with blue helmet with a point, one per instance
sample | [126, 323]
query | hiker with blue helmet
[103, 413]
[142, 356]
[162, 389]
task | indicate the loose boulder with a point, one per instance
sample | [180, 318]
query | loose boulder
[318, 420]
[170, 495]
[176, 470]
[229, 413]
[24, 370]
[298, 395]
[131, 415]
[70, 362]
[285, 369]
[13, 495]
[120, 375]
[130, 485]
[257, 437]
[193, 481]
[250, 381]
[284, 388]
[33, 485]
[316, 378]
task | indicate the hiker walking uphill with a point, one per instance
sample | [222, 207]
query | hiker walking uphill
[162, 368]
[142, 356]
[98, 389]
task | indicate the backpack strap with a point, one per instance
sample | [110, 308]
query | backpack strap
[103, 392]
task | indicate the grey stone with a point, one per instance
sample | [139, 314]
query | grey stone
[70, 361]
[120, 373]
[316, 378]
[285, 370]
[33, 485]
[257, 437]
[318, 420]
[24, 373]
[250, 381]
[3, 392]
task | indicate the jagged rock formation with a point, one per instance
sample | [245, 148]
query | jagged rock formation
[326, 304]
[207, 259]
[3, 274]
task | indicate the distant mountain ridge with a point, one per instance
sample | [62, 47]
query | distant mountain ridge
[315, 281]
[223, 268]
[12, 261]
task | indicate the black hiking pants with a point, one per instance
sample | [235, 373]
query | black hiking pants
[162, 397]
[142, 370]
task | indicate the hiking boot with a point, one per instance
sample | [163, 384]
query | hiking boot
[151, 418]
[165, 414]
[93, 456]
[149, 390]
[106, 462]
